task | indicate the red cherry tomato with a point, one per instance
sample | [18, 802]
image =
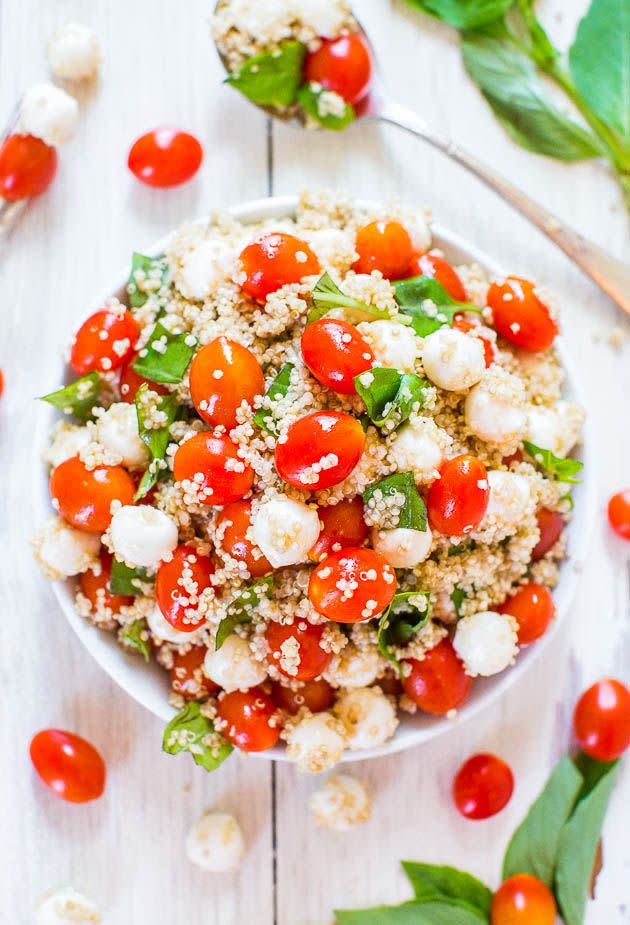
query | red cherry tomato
[284, 640]
[551, 525]
[130, 382]
[342, 65]
[458, 500]
[533, 608]
[223, 476]
[104, 342]
[273, 260]
[439, 269]
[1, 383]
[384, 246]
[27, 167]
[232, 525]
[352, 585]
[320, 450]
[438, 683]
[483, 786]
[187, 677]
[165, 157]
[223, 375]
[179, 587]
[489, 353]
[619, 513]
[96, 587]
[250, 717]
[84, 497]
[523, 900]
[316, 696]
[335, 353]
[69, 765]
[343, 525]
[602, 720]
[519, 315]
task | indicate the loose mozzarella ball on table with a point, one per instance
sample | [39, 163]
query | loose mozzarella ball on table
[316, 743]
[394, 345]
[403, 548]
[66, 906]
[49, 113]
[493, 418]
[163, 631]
[368, 716]
[142, 535]
[354, 666]
[204, 268]
[453, 360]
[63, 551]
[285, 530]
[233, 666]
[215, 843]
[67, 441]
[486, 642]
[117, 430]
[73, 52]
[416, 448]
[341, 803]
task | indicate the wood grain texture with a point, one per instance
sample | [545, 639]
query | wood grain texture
[127, 850]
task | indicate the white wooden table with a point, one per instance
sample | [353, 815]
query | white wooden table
[127, 849]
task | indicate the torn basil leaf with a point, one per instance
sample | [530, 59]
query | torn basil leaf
[156, 439]
[166, 356]
[405, 616]
[309, 97]
[135, 636]
[327, 295]
[400, 493]
[148, 274]
[125, 580]
[428, 304]
[465, 14]
[389, 395]
[412, 913]
[564, 470]
[433, 883]
[458, 596]
[78, 398]
[277, 389]
[190, 731]
[241, 609]
[272, 78]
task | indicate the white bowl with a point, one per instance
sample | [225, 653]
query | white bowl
[148, 684]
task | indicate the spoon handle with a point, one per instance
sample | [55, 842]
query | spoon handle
[606, 271]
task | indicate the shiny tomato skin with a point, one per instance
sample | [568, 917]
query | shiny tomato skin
[383, 246]
[343, 65]
[96, 587]
[130, 381]
[519, 316]
[458, 500]
[165, 157]
[83, 497]
[27, 167]
[523, 900]
[313, 659]
[93, 346]
[551, 524]
[335, 352]
[483, 786]
[223, 375]
[374, 575]
[343, 525]
[316, 436]
[248, 715]
[232, 525]
[438, 683]
[208, 454]
[187, 677]
[69, 765]
[439, 269]
[273, 260]
[195, 570]
[602, 720]
[533, 609]
[316, 696]
[619, 513]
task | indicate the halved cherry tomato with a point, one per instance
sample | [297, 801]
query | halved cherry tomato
[483, 786]
[68, 764]
[250, 717]
[130, 381]
[533, 608]
[441, 270]
[619, 513]
[232, 525]
[273, 260]
[458, 500]
[602, 720]
[384, 246]
[519, 315]
[165, 157]
[96, 587]
[104, 342]
[352, 585]
[27, 167]
[187, 677]
[489, 352]
[223, 375]
[316, 696]
[343, 525]
[320, 450]
[304, 637]
[84, 497]
[551, 524]
[179, 587]
[335, 352]
[223, 476]
[523, 900]
[342, 65]
[438, 683]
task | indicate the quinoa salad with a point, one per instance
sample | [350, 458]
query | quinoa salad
[317, 473]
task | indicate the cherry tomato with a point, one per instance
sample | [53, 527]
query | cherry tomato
[619, 513]
[515, 457]
[320, 450]
[342, 65]
[519, 315]
[179, 587]
[343, 525]
[165, 157]
[306, 638]
[273, 260]
[251, 722]
[84, 497]
[1, 383]
[335, 353]
[551, 525]
[232, 525]
[602, 720]
[458, 500]
[27, 167]
[384, 246]
[104, 342]
[223, 375]
[438, 683]
[130, 381]
[187, 677]
[467, 327]
[523, 900]
[96, 587]
[533, 608]
[352, 585]
[483, 786]
[68, 764]
[223, 476]
[439, 269]
[316, 696]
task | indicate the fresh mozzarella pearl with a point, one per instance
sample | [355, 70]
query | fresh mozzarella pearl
[492, 418]
[66, 907]
[413, 448]
[510, 496]
[368, 717]
[233, 666]
[162, 630]
[316, 743]
[206, 267]
[63, 551]
[394, 345]
[403, 548]
[341, 803]
[117, 430]
[326, 19]
[354, 666]
[73, 52]
[285, 530]
[67, 441]
[486, 642]
[553, 429]
[215, 843]
[453, 360]
[49, 113]
[142, 535]
[330, 245]
[420, 234]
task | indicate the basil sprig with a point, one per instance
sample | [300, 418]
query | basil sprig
[458, 596]
[170, 361]
[428, 304]
[413, 513]
[389, 395]
[465, 14]
[404, 618]
[135, 636]
[156, 439]
[190, 731]
[125, 580]
[241, 609]
[272, 78]
[309, 99]
[277, 389]
[78, 398]
[148, 274]
[564, 470]
[327, 295]
[432, 883]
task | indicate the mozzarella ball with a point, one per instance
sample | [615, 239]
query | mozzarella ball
[215, 843]
[341, 803]
[285, 530]
[420, 234]
[394, 345]
[492, 418]
[510, 496]
[354, 666]
[368, 716]
[332, 247]
[49, 113]
[142, 536]
[162, 630]
[73, 52]
[233, 666]
[486, 642]
[66, 907]
[316, 743]
[403, 548]
[453, 360]
[67, 441]
[556, 429]
[117, 431]
[63, 551]
[414, 448]
[205, 268]
[326, 19]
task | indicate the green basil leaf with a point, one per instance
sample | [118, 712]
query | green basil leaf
[190, 731]
[564, 470]
[461, 547]
[170, 361]
[125, 580]
[432, 884]
[309, 99]
[78, 398]
[509, 83]
[242, 608]
[273, 78]
[591, 770]
[390, 396]
[278, 389]
[327, 295]
[428, 304]
[411, 913]
[135, 636]
[156, 439]
[406, 615]
[458, 596]
[148, 274]
[402, 486]
[464, 14]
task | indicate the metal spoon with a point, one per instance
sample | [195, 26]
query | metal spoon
[610, 274]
